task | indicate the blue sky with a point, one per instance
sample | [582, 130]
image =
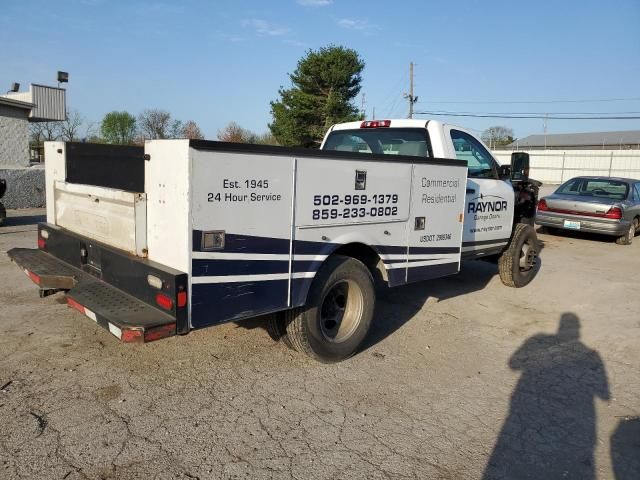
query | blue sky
[222, 60]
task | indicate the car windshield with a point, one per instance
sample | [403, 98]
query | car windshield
[595, 187]
[395, 141]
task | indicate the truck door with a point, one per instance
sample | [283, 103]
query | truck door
[434, 229]
[490, 202]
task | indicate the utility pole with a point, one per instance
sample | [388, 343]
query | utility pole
[409, 96]
[544, 126]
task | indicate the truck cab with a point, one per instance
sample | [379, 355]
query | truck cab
[491, 200]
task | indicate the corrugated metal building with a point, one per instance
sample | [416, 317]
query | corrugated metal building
[556, 158]
[40, 104]
[622, 140]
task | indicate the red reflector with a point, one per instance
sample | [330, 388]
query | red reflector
[614, 212]
[164, 301]
[160, 332]
[182, 299]
[73, 304]
[42, 243]
[542, 206]
[375, 124]
[132, 335]
[34, 277]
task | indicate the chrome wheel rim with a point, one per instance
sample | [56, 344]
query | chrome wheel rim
[341, 311]
[528, 256]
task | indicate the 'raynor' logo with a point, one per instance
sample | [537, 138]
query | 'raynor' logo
[487, 203]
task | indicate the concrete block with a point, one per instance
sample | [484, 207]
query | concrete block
[25, 187]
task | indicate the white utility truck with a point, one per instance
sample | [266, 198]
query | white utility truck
[185, 234]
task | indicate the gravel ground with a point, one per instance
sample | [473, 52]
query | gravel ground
[462, 378]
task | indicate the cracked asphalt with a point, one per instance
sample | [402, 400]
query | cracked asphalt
[462, 378]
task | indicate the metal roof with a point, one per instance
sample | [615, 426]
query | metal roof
[628, 137]
[15, 103]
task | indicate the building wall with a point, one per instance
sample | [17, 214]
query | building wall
[558, 166]
[14, 137]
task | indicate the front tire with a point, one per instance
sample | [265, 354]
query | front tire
[338, 314]
[518, 264]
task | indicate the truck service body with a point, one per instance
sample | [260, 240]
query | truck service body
[185, 234]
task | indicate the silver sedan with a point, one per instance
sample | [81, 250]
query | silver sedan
[606, 205]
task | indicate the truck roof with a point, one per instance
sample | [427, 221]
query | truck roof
[395, 123]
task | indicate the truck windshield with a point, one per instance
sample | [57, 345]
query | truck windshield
[387, 141]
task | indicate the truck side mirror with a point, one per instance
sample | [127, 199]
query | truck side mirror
[519, 167]
[504, 172]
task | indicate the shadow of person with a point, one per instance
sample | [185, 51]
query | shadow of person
[625, 449]
[550, 431]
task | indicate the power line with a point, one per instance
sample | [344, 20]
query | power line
[539, 116]
[513, 102]
[537, 113]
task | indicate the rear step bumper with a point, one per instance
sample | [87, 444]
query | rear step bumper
[126, 317]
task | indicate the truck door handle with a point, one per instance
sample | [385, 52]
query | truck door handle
[470, 190]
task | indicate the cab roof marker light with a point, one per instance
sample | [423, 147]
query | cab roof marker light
[376, 124]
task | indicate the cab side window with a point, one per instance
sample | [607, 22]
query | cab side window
[481, 163]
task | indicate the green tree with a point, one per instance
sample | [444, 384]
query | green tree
[118, 127]
[324, 84]
[498, 136]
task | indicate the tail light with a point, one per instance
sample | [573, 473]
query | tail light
[375, 124]
[542, 206]
[164, 301]
[42, 243]
[614, 212]
[182, 299]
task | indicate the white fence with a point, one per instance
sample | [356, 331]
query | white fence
[557, 166]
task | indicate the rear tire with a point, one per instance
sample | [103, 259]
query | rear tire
[3, 214]
[338, 313]
[518, 264]
[627, 238]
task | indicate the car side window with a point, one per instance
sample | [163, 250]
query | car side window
[636, 192]
[480, 162]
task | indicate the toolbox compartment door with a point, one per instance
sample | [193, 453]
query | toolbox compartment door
[435, 226]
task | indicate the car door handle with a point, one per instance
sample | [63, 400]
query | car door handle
[470, 190]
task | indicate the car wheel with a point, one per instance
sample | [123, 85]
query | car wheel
[338, 314]
[3, 214]
[518, 264]
[627, 238]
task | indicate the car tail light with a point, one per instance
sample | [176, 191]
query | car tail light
[375, 124]
[614, 212]
[42, 243]
[542, 205]
[164, 301]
